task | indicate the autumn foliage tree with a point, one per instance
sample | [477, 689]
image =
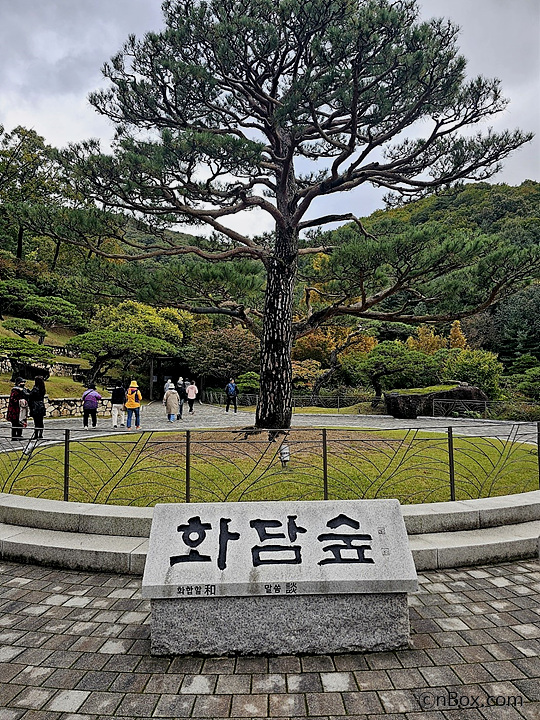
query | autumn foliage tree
[130, 316]
[426, 341]
[457, 337]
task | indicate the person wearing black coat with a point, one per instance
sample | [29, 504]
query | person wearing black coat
[36, 402]
[118, 398]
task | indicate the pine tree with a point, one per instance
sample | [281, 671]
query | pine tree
[275, 104]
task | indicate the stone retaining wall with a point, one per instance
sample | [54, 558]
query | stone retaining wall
[59, 369]
[61, 407]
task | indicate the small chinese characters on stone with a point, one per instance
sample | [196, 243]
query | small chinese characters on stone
[273, 553]
[291, 588]
[344, 546]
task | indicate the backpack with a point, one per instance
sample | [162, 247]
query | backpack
[231, 390]
[134, 395]
[90, 400]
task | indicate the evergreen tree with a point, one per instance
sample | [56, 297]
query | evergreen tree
[275, 104]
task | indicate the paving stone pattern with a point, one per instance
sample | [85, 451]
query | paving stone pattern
[75, 646]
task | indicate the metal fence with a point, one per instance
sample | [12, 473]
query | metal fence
[488, 409]
[145, 468]
[341, 403]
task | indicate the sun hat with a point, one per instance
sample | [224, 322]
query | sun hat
[133, 383]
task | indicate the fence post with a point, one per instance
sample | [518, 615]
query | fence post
[66, 464]
[338, 403]
[188, 466]
[325, 464]
[451, 464]
[538, 449]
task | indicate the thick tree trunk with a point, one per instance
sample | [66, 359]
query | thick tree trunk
[274, 409]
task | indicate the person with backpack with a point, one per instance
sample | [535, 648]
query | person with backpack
[36, 403]
[118, 399]
[231, 391]
[90, 398]
[133, 404]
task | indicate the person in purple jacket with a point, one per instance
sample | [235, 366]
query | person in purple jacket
[90, 399]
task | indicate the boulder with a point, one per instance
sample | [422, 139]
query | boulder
[404, 406]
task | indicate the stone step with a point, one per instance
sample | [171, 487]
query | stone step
[73, 550]
[126, 554]
[90, 518]
[439, 517]
[475, 547]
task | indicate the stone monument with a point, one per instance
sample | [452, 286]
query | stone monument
[278, 577]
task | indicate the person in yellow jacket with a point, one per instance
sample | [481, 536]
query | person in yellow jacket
[133, 404]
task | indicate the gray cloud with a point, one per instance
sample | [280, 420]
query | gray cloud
[53, 51]
[58, 46]
[500, 39]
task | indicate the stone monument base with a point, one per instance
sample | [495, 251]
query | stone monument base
[261, 625]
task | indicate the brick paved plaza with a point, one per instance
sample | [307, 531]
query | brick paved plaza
[75, 646]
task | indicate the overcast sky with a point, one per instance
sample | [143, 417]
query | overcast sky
[52, 52]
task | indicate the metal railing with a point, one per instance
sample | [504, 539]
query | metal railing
[487, 409]
[341, 403]
[145, 468]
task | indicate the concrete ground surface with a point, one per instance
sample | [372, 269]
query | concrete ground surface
[153, 417]
[75, 646]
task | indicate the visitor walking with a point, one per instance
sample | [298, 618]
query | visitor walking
[192, 393]
[171, 400]
[90, 399]
[168, 385]
[231, 391]
[182, 396]
[36, 404]
[17, 400]
[118, 399]
[133, 405]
